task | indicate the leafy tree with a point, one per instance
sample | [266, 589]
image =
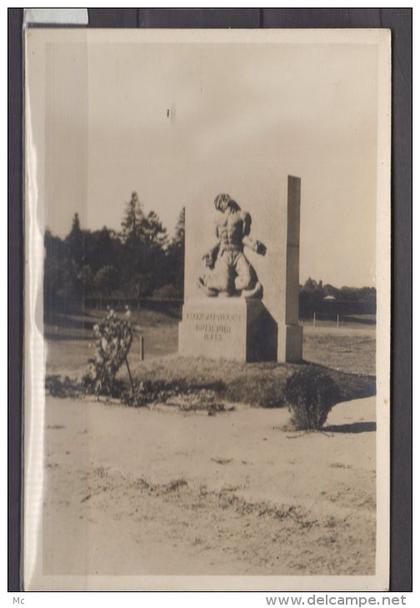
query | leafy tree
[86, 278]
[140, 285]
[330, 290]
[311, 296]
[349, 294]
[368, 295]
[60, 277]
[178, 253]
[310, 285]
[103, 248]
[106, 279]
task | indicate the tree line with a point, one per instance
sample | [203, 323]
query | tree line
[325, 299]
[139, 260]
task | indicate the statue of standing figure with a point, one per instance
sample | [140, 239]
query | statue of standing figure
[226, 270]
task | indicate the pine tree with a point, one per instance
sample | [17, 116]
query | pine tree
[179, 237]
[154, 232]
[133, 221]
[75, 242]
[176, 255]
[75, 225]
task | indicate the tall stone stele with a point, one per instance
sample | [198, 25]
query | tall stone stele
[242, 294]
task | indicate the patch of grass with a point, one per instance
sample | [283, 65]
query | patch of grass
[348, 350]
[198, 383]
[222, 460]
[258, 384]
[160, 488]
[175, 485]
[232, 381]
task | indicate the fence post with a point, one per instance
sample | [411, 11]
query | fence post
[314, 320]
[338, 320]
[141, 348]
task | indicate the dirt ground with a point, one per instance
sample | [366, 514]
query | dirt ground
[160, 491]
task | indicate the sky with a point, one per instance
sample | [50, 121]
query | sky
[242, 113]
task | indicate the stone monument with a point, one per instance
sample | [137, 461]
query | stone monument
[242, 294]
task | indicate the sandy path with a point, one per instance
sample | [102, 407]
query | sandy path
[138, 491]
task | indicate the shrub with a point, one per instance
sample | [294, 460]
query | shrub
[114, 337]
[57, 386]
[310, 394]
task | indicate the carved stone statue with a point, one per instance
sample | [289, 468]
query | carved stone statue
[226, 270]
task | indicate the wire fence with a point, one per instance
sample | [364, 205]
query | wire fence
[339, 320]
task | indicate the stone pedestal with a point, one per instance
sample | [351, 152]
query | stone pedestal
[228, 328]
[236, 328]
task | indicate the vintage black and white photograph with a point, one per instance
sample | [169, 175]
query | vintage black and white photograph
[207, 229]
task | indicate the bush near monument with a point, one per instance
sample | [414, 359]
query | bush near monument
[114, 336]
[310, 395]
